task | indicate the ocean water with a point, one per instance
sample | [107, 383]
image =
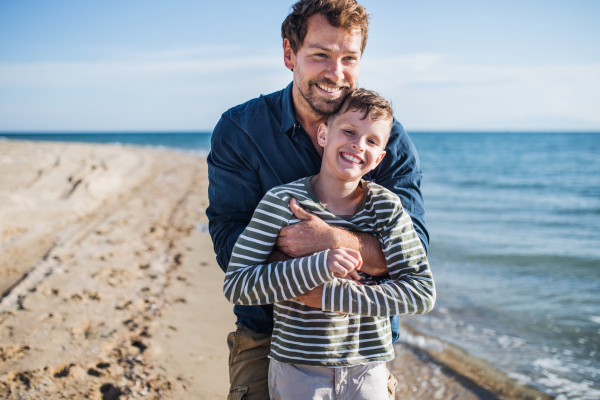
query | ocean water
[514, 220]
[515, 251]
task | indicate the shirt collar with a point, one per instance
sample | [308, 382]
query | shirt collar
[288, 118]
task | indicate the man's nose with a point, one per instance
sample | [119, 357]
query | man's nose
[335, 71]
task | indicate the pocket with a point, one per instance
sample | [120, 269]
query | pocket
[236, 337]
[238, 393]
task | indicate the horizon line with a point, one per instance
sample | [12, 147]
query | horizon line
[158, 132]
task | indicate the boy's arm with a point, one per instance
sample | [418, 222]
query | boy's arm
[251, 280]
[411, 291]
[399, 172]
[313, 234]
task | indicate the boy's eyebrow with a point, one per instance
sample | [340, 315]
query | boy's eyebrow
[327, 48]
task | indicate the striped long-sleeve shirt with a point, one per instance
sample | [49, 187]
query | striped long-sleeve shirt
[305, 335]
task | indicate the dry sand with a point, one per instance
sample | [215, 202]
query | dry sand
[110, 288]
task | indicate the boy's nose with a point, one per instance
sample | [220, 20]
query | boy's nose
[359, 145]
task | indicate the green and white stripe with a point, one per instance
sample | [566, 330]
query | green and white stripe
[305, 335]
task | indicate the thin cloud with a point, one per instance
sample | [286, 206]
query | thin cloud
[189, 89]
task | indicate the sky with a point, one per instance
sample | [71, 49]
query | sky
[106, 66]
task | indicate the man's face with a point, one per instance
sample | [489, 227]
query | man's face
[326, 66]
[353, 146]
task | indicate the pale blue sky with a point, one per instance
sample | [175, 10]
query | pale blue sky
[177, 65]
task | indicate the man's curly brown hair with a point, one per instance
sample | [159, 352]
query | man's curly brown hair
[346, 14]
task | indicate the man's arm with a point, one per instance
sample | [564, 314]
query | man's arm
[250, 280]
[399, 172]
[233, 190]
[312, 234]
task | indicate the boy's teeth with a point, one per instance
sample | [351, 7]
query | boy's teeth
[351, 158]
[330, 90]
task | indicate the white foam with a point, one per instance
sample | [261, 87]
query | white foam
[595, 319]
[565, 388]
[522, 379]
[510, 342]
[421, 341]
[551, 363]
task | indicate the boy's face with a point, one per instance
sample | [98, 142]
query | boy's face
[353, 146]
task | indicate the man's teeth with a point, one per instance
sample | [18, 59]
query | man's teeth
[351, 158]
[330, 90]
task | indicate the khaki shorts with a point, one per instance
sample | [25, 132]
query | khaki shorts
[249, 366]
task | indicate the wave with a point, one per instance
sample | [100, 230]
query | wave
[579, 211]
[468, 369]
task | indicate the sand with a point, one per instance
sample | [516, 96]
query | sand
[110, 288]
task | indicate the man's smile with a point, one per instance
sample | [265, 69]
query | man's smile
[332, 90]
[351, 157]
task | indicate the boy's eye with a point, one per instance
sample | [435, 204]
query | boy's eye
[375, 142]
[349, 132]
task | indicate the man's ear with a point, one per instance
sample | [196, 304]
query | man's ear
[378, 160]
[289, 58]
[322, 135]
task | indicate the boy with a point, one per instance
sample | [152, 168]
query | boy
[341, 350]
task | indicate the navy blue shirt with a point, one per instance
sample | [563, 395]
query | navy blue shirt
[259, 145]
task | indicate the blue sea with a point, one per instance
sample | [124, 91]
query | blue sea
[514, 220]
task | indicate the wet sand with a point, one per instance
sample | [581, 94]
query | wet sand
[110, 288]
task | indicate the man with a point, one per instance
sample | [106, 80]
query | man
[272, 140]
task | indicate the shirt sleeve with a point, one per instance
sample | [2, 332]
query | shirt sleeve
[400, 172]
[411, 291]
[250, 280]
[234, 189]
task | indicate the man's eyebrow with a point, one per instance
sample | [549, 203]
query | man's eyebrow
[326, 48]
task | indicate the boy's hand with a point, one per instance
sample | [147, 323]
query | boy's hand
[343, 263]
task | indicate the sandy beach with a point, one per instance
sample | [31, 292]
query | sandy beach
[110, 288]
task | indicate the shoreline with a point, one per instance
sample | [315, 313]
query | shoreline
[108, 276]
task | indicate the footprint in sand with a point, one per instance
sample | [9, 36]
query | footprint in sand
[13, 353]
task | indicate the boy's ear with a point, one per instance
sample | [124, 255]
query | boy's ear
[322, 135]
[378, 160]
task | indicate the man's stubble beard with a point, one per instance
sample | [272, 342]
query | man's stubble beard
[320, 105]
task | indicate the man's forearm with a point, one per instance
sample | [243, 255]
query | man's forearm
[374, 262]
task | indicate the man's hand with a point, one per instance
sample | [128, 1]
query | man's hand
[312, 234]
[312, 298]
[308, 236]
